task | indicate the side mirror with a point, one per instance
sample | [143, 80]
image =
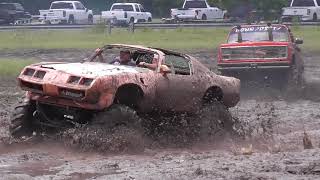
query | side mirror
[87, 9]
[298, 41]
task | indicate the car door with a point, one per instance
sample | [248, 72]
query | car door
[177, 91]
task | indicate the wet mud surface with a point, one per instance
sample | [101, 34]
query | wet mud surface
[273, 148]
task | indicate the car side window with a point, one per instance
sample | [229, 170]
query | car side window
[79, 6]
[318, 2]
[137, 8]
[142, 9]
[179, 65]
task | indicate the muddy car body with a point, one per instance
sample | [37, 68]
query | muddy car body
[269, 49]
[71, 91]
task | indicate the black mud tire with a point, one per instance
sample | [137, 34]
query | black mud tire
[215, 122]
[204, 17]
[131, 20]
[90, 19]
[125, 129]
[21, 122]
[149, 19]
[71, 20]
[315, 17]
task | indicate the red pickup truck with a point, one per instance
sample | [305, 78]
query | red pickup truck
[268, 50]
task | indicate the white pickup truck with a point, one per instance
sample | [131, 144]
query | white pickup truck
[71, 12]
[305, 10]
[125, 13]
[197, 10]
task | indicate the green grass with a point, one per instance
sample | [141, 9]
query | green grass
[12, 67]
[180, 39]
[173, 39]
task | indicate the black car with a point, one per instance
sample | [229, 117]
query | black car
[10, 12]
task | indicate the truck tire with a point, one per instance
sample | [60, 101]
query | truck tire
[295, 80]
[204, 17]
[71, 20]
[315, 17]
[90, 19]
[149, 19]
[21, 122]
[215, 120]
[131, 20]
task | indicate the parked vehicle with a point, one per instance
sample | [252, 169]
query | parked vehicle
[197, 10]
[94, 91]
[270, 51]
[11, 12]
[71, 12]
[304, 10]
[125, 13]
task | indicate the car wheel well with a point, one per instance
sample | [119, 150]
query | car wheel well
[213, 94]
[129, 95]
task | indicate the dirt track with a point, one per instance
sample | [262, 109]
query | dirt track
[277, 153]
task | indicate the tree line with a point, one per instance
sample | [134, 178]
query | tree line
[160, 8]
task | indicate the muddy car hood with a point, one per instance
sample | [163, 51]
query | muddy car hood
[93, 69]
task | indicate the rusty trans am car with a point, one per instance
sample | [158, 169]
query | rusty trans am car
[77, 93]
[267, 50]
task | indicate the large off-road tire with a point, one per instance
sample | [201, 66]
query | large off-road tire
[116, 130]
[295, 80]
[215, 121]
[21, 122]
[71, 20]
[149, 19]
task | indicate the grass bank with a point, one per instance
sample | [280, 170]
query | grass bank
[12, 67]
[180, 39]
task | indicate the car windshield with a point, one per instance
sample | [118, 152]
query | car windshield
[7, 6]
[303, 3]
[122, 7]
[61, 5]
[259, 33]
[195, 4]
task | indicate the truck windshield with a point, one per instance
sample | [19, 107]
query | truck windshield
[195, 4]
[259, 33]
[303, 3]
[61, 5]
[122, 7]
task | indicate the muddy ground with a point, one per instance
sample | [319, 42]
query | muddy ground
[276, 125]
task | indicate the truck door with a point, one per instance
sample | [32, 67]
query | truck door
[143, 13]
[137, 13]
[81, 13]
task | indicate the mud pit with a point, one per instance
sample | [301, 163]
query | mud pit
[276, 126]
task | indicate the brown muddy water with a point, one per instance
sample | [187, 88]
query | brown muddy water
[275, 125]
